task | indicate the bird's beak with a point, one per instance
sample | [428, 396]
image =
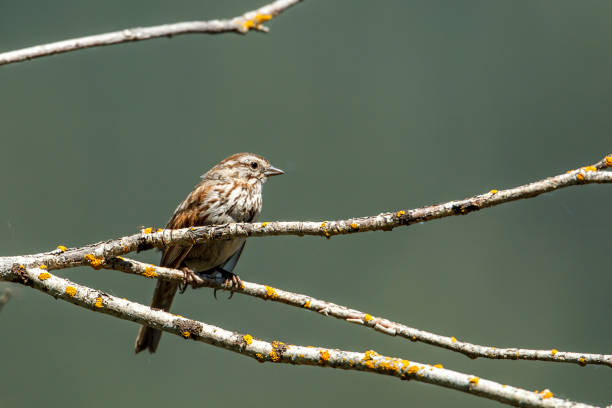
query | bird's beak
[273, 171]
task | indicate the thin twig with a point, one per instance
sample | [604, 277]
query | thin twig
[355, 316]
[277, 351]
[241, 24]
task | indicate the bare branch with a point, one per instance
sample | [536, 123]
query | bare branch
[241, 24]
[355, 316]
[147, 239]
[277, 351]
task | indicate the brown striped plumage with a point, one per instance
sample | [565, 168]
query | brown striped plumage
[229, 192]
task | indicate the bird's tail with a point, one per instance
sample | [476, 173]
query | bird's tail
[148, 338]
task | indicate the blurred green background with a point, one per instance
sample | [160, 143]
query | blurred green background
[369, 107]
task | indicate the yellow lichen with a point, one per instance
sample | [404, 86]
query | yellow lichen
[126, 249]
[546, 394]
[367, 317]
[263, 224]
[354, 225]
[493, 191]
[554, 351]
[186, 334]
[589, 168]
[324, 355]
[474, 380]
[62, 248]
[159, 230]
[413, 370]
[71, 291]
[307, 304]
[248, 339]
[148, 230]
[149, 272]
[400, 213]
[413, 338]
[259, 357]
[582, 361]
[270, 293]
[369, 355]
[94, 262]
[608, 161]
[247, 25]
[43, 266]
[98, 303]
[438, 366]
[44, 276]
[274, 356]
[453, 339]
[260, 18]
[580, 176]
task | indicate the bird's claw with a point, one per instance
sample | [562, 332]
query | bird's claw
[191, 278]
[231, 281]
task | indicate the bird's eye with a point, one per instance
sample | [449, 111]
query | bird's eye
[253, 165]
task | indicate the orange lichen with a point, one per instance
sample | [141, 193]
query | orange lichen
[248, 339]
[149, 272]
[274, 356]
[589, 168]
[94, 262]
[159, 230]
[147, 230]
[580, 176]
[400, 213]
[413, 338]
[608, 161]
[354, 225]
[453, 339]
[259, 357]
[582, 361]
[44, 276]
[98, 303]
[474, 380]
[270, 293]
[126, 249]
[324, 355]
[263, 224]
[554, 351]
[493, 191]
[247, 25]
[438, 366]
[307, 304]
[186, 334]
[62, 248]
[71, 291]
[43, 266]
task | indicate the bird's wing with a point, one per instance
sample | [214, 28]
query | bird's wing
[230, 264]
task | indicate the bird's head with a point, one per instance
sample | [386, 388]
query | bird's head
[245, 167]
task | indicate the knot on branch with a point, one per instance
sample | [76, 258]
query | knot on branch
[188, 328]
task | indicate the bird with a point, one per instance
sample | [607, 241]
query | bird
[229, 192]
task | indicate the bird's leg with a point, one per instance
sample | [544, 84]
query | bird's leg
[191, 278]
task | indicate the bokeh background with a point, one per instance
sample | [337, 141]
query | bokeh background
[369, 107]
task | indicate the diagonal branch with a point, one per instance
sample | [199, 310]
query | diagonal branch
[277, 351]
[240, 24]
[147, 239]
[355, 316]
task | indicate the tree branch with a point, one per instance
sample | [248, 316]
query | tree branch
[355, 316]
[240, 24]
[277, 351]
[147, 239]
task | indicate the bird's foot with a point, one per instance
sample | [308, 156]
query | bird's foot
[191, 278]
[230, 280]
